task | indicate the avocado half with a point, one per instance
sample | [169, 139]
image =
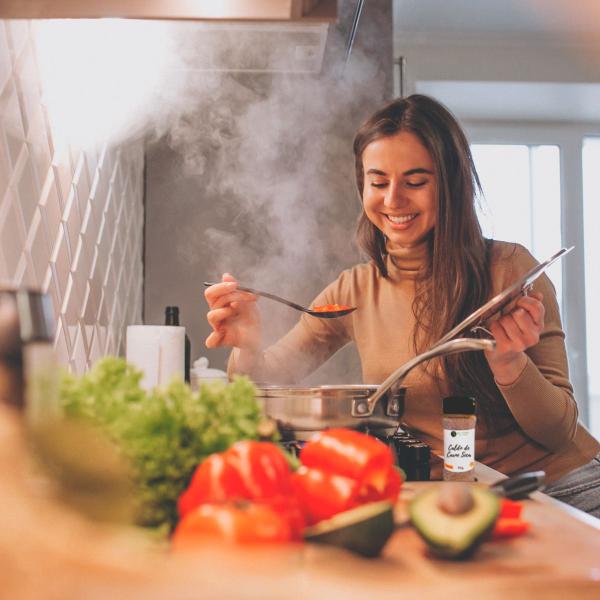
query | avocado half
[454, 536]
[363, 530]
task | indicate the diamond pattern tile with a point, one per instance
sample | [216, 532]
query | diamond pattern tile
[5, 64]
[50, 208]
[61, 348]
[70, 223]
[12, 234]
[27, 188]
[11, 121]
[37, 246]
[4, 164]
[60, 262]
[39, 147]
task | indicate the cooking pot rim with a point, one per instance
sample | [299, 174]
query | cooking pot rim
[316, 388]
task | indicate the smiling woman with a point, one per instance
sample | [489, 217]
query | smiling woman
[430, 268]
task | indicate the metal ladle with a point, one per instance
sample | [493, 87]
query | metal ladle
[320, 314]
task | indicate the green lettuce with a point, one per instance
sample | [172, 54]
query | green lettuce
[163, 433]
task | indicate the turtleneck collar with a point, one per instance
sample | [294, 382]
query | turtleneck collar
[406, 262]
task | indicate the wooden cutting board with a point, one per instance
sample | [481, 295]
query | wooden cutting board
[558, 558]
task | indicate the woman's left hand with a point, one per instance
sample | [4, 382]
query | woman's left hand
[514, 332]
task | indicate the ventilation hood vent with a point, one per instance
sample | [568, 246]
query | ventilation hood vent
[324, 11]
[253, 47]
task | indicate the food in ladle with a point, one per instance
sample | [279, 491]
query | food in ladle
[330, 308]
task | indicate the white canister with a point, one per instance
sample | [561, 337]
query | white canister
[200, 373]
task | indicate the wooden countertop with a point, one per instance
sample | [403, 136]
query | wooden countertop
[558, 558]
[560, 552]
[50, 552]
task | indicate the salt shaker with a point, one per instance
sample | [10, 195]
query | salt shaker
[459, 438]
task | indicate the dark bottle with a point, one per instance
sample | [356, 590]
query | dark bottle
[172, 318]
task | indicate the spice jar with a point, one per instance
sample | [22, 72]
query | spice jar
[459, 438]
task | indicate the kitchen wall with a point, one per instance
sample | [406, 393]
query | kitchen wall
[258, 179]
[71, 221]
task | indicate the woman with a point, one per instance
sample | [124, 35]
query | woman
[431, 267]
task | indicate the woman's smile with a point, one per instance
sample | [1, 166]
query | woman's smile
[402, 221]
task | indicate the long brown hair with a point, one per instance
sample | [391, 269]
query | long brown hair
[457, 278]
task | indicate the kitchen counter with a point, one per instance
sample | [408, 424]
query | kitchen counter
[558, 558]
[48, 551]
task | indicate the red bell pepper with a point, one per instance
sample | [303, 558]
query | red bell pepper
[510, 509]
[391, 491]
[290, 508]
[262, 468]
[506, 527]
[249, 470]
[351, 454]
[322, 494]
[215, 480]
[231, 522]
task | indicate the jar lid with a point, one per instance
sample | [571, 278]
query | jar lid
[201, 371]
[459, 405]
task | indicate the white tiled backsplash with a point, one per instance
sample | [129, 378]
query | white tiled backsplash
[71, 225]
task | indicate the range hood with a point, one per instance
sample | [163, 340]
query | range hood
[320, 11]
[261, 36]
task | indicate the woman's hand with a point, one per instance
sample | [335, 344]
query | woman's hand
[514, 332]
[233, 316]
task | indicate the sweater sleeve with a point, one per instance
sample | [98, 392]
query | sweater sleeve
[310, 343]
[541, 399]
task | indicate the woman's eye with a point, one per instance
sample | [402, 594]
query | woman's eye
[378, 184]
[416, 184]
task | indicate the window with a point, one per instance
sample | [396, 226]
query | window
[521, 203]
[591, 215]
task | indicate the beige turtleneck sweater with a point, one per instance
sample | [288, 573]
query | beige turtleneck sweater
[541, 429]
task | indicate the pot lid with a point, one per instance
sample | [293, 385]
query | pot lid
[498, 302]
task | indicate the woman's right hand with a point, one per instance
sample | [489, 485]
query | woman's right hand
[233, 315]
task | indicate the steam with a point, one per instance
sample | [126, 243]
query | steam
[268, 154]
[100, 78]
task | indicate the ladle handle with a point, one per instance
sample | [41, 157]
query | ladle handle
[365, 407]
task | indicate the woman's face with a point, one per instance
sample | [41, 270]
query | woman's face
[400, 188]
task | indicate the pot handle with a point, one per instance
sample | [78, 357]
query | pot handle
[364, 407]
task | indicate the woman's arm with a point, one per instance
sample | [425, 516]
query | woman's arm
[530, 364]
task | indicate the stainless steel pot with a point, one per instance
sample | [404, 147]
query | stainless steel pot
[302, 410]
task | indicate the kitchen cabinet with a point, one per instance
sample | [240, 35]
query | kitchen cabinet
[272, 10]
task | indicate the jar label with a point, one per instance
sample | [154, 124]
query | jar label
[459, 450]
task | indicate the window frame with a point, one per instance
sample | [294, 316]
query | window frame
[569, 138]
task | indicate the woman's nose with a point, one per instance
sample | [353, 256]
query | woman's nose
[395, 196]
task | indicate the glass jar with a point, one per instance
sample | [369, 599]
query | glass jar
[459, 423]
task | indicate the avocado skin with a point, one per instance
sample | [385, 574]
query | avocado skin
[451, 553]
[364, 530]
[475, 532]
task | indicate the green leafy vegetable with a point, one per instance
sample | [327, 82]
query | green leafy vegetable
[164, 433]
